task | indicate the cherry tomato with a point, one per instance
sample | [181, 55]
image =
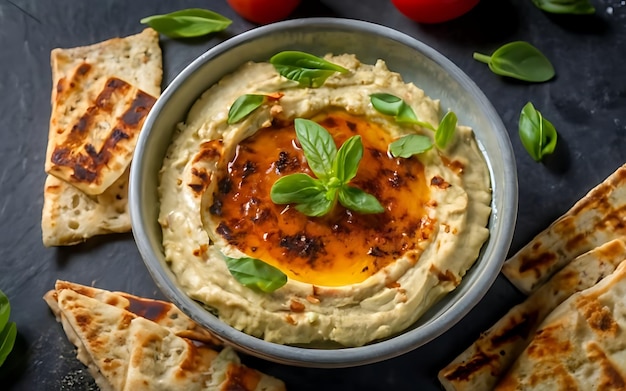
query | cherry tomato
[264, 11]
[434, 11]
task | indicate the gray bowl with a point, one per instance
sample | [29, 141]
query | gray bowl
[418, 63]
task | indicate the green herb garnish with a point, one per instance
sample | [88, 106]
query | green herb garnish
[256, 274]
[519, 60]
[537, 134]
[243, 106]
[445, 130]
[306, 69]
[8, 330]
[334, 170]
[409, 145]
[574, 7]
[391, 105]
[413, 144]
[192, 22]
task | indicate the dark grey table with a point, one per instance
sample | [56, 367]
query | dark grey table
[586, 102]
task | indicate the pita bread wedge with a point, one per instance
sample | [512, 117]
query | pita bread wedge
[581, 345]
[100, 97]
[127, 352]
[69, 216]
[600, 216]
[163, 313]
[484, 362]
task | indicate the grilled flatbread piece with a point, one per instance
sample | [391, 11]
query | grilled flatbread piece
[595, 219]
[69, 216]
[163, 313]
[581, 345]
[125, 351]
[484, 362]
[100, 96]
[90, 148]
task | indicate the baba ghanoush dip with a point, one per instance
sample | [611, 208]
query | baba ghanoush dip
[347, 275]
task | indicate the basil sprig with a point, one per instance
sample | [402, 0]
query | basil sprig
[573, 7]
[413, 144]
[187, 23]
[306, 69]
[8, 330]
[334, 170]
[537, 134]
[243, 106]
[519, 60]
[256, 274]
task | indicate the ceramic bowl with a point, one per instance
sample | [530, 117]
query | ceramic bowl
[418, 63]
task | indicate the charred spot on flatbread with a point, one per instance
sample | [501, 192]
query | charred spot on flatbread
[97, 147]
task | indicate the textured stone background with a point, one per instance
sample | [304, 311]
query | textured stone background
[586, 102]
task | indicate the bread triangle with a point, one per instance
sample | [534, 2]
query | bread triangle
[125, 351]
[581, 345]
[488, 358]
[597, 218]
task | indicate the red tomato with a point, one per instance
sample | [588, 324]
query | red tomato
[264, 11]
[434, 11]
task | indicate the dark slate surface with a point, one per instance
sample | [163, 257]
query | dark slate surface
[586, 102]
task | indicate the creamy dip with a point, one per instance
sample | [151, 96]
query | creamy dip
[352, 278]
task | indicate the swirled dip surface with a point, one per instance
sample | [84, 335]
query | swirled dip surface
[352, 278]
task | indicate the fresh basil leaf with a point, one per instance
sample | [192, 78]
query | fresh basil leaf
[244, 106]
[573, 7]
[387, 104]
[318, 146]
[394, 106]
[311, 197]
[537, 134]
[319, 205]
[348, 159]
[8, 330]
[407, 115]
[187, 23]
[445, 130]
[256, 274]
[5, 310]
[295, 188]
[519, 60]
[409, 145]
[359, 201]
[7, 341]
[306, 69]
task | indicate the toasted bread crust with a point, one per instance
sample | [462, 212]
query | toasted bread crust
[595, 219]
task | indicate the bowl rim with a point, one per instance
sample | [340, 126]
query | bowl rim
[349, 356]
